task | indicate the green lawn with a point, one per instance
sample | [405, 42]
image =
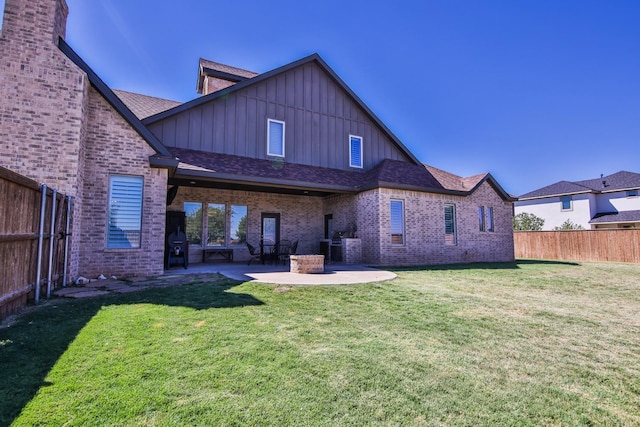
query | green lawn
[532, 343]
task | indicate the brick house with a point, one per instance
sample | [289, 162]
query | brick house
[290, 153]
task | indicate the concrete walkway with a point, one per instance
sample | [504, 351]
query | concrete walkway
[335, 274]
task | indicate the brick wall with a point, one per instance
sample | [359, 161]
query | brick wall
[113, 147]
[213, 84]
[43, 97]
[424, 229]
[302, 218]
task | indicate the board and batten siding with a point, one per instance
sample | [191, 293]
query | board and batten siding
[319, 118]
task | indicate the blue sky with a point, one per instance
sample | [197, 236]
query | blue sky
[532, 91]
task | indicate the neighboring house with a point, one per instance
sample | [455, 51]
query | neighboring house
[291, 153]
[606, 202]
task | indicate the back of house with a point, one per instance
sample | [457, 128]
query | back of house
[290, 154]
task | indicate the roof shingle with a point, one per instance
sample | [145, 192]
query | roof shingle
[618, 181]
[144, 106]
[622, 216]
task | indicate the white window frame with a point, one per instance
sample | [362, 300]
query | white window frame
[490, 220]
[570, 208]
[482, 224]
[351, 160]
[269, 153]
[132, 206]
[454, 225]
[402, 222]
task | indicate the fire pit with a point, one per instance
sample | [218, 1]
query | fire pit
[307, 264]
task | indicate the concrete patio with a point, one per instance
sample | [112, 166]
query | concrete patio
[334, 274]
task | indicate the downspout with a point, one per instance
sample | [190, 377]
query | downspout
[66, 242]
[43, 208]
[52, 235]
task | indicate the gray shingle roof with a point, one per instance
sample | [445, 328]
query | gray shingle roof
[389, 173]
[618, 181]
[623, 216]
[144, 106]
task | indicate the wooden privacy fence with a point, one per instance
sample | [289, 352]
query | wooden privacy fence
[31, 250]
[619, 245]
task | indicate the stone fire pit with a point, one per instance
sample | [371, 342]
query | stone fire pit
[307, 264]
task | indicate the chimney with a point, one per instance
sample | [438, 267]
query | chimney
[213, 76]
[34, 23]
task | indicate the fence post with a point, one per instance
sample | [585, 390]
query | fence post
[66, 242]
[52, 235]
[43, 207]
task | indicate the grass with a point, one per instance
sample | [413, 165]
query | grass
[532, 343]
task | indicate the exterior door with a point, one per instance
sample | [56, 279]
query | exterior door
[270, 234]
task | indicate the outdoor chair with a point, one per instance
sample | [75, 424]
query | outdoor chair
[284, 250]
[254, 252]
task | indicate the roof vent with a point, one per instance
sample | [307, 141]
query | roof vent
[604, 182]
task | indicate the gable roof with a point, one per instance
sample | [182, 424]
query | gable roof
[618, 181]
[315, 58]
[143, 105]
[112, 99]
[464, 186]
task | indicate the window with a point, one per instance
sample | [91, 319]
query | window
[632, 193]
[481, 223]
[275, 138]
[490, 220]
[238, 225]
[125, 211]
[193, 213]
[355, 151]
[397, 222]
[450, 225]
[216, 221]
[566, 203]
[224, 226]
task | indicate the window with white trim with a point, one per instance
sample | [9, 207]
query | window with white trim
[566, 203]
[450, 225]
[355, 151]
[481, 223]
[490, 228]
[124, 227]
[397, 222]
[275, 138]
